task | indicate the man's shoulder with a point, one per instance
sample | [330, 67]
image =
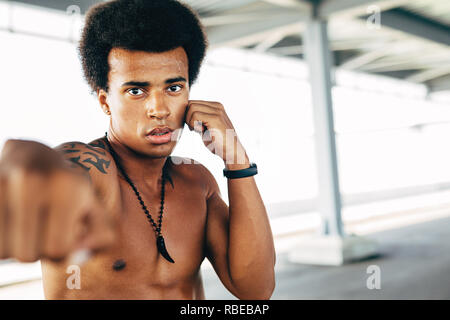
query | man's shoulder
[97, 145]
[189, 166]
[93, 156]
[196, 172]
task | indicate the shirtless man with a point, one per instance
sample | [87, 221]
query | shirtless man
[140, 58]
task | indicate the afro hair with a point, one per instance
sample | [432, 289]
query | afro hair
[141, 25]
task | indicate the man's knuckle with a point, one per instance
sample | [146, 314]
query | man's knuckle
[26, 257]
[55, 252]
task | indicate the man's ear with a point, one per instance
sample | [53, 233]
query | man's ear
[102, 96]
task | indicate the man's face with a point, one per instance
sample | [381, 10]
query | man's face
[146, 90]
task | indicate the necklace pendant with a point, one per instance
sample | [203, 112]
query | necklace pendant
[162, 248]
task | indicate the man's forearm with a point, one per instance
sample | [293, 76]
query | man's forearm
[251, 253]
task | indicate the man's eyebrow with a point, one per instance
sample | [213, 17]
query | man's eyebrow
[136, 84]
[177, 79]
[147, 84]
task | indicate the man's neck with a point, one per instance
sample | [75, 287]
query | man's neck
[142, 170]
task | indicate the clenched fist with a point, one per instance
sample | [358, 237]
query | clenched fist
[47, 209]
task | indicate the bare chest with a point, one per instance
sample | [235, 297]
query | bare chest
[144, 272]
[182, 226]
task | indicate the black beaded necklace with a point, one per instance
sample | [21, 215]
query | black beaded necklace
[160, 244]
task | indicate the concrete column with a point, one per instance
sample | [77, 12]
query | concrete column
[320, 67]
[331, 246]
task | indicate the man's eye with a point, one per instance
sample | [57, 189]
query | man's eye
[176, 86]
[135, 91]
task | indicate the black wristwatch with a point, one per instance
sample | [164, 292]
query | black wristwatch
[243, 173]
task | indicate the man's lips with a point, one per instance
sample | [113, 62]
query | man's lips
[160, 135]
[160, 130]
[156, 139]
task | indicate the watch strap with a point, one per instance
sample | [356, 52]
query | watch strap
[242, 173]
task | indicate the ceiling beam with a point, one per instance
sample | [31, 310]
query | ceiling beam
[298, 4]
[416, 25]
[354, 8]
[329, 7]
[269, 42]
[218, 20]
[62, 5]
[244, 34]
[394, 53]
[288, 50]
[439, 84]
[335, 45]
[241, 16]
[415, 60]
[363, 59]
[430, 74]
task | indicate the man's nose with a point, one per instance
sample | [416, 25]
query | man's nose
[157, 108]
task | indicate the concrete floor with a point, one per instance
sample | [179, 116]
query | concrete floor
[414, 262]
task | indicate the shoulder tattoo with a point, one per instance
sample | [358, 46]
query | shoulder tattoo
[87, 156]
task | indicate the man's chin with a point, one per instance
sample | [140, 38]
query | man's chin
[158, 150]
